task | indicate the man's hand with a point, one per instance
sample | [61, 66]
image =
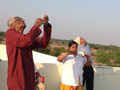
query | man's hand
[45, 20]
[38, 22]
[88, 63]
[88, 57]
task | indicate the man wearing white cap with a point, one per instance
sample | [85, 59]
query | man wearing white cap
[88, 74]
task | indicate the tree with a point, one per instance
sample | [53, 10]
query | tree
[102, 56]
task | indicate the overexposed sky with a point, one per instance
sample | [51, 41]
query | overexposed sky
[98, 21]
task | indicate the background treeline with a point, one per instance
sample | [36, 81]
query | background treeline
[105, 54]
[2, 35]
[108, 57]
[105, 47]
[55, 47]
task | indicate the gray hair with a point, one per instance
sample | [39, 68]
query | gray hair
[10, 21]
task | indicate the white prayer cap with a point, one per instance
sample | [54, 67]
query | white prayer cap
[77, 40]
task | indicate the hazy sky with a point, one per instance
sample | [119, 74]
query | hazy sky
[98, 21]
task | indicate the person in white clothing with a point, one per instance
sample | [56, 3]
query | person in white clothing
[88, 75]
[72, 68]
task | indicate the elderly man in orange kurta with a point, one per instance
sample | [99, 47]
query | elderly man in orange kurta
[21, 74]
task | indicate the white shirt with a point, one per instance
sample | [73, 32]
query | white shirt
[72, 70]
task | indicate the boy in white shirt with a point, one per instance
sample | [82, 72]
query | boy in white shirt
[72, 68]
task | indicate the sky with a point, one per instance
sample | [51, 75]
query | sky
[98, 21]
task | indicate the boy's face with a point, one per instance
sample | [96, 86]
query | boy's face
[73, 48]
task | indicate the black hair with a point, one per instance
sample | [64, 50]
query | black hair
[71, 43]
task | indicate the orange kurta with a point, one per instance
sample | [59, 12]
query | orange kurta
[20, 60]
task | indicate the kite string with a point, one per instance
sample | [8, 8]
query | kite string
[63, 4]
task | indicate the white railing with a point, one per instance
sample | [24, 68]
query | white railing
[106, 78]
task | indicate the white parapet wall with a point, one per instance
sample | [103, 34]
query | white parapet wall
[106, 78]
[3, 55]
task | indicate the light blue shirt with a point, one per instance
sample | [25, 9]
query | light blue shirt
[89, 52]
[86, 50]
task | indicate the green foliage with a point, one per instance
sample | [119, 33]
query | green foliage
[54, 52]
[58, 51]
[105, 47]
[63, 42]
[51, 41]
[110, 57]
[60, 42]
[2, 35]
[101, 56]
[44, 50]
[116, 56]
